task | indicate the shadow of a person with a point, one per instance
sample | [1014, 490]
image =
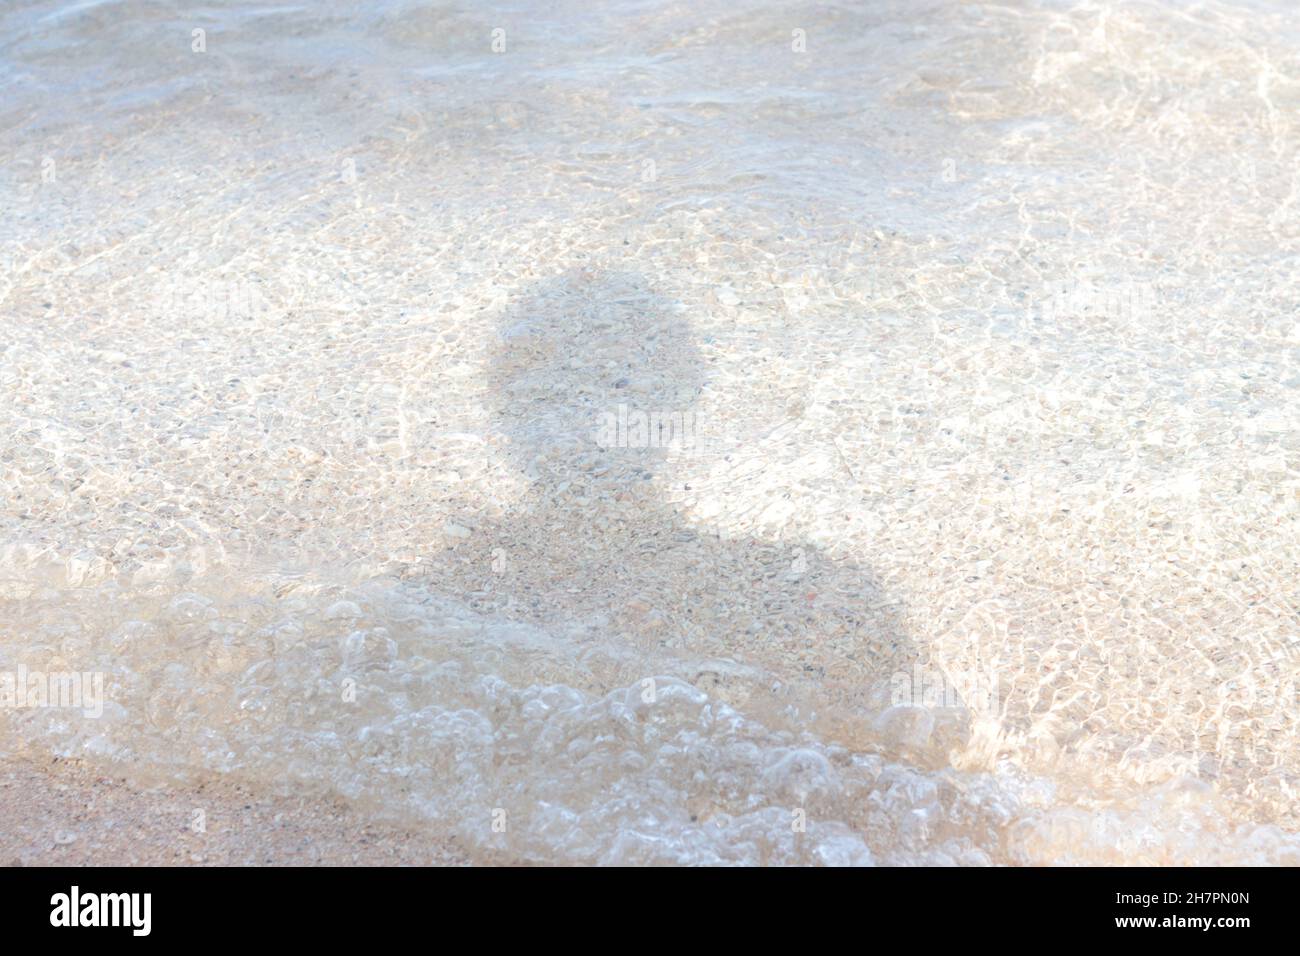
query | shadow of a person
[593, 384]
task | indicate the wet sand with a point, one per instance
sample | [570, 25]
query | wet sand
[63, 813]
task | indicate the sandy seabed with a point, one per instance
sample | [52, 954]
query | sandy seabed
[730, 432]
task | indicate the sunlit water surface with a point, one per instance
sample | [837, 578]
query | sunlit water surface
[984, 549]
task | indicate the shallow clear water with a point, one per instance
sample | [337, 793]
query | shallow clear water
[977, 539]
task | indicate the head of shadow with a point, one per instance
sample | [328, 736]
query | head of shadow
[594, 379]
